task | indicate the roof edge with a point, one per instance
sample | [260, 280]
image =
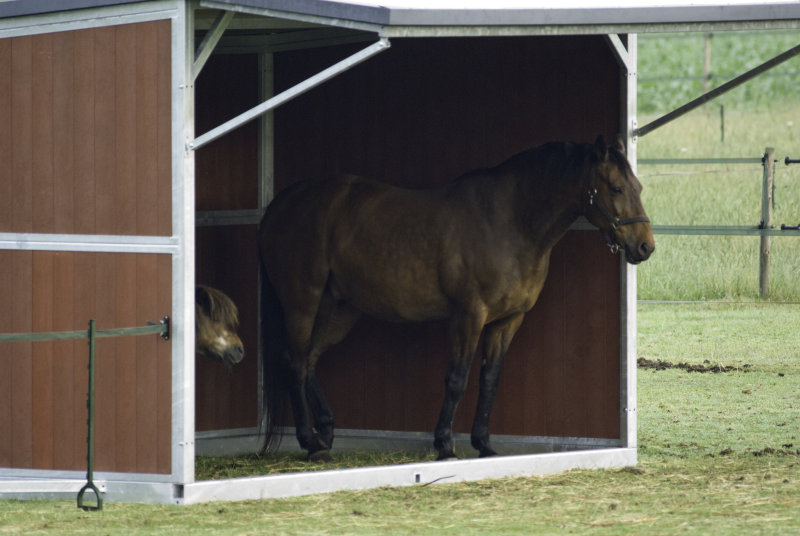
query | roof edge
[23, 8]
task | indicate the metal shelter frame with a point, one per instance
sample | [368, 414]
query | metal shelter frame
[339, 21]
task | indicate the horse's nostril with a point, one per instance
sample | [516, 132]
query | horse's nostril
[646, 249]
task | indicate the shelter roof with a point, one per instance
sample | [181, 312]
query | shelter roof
[565, 16]
[531, 12]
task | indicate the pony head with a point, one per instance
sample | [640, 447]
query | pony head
[216, 325]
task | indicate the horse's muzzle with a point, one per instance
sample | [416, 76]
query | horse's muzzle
[233, 355]
[640, 252]
[636, 251]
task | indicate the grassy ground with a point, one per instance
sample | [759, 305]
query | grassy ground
[725, 495]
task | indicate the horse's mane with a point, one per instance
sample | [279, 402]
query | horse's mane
[220, 307]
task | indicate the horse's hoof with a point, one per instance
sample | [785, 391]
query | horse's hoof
[487, 453]
[322, 455]
[446, 457]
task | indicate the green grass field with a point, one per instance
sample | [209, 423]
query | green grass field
[715, 267]
[764, 112]
[671, 69]
[719, 452]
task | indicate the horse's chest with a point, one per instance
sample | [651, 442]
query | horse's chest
[515, 290]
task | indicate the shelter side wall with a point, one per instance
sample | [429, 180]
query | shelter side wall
[43, 405]
[422, 113]
[86, 116]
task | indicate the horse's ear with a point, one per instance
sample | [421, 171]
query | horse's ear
[619, 144]
[600, 149]
[202, 298]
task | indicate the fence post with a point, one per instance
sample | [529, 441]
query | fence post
[707, 62]
[766, 220]
[90, 485]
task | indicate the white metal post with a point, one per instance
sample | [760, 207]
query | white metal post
[183, 221]
[628, 303]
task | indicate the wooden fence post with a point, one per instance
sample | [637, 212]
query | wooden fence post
[766, 220]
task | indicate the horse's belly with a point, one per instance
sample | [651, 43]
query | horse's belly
[392, 299]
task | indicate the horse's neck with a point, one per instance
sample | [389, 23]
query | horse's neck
[551, 203]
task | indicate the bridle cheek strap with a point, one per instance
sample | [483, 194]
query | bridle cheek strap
[613, 220]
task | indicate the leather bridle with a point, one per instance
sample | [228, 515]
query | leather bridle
[613, 221]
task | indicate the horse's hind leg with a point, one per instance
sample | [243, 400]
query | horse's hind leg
[302, 416]
[496, 341]
[323, 418]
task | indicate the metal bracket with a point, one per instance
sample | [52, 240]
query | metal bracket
[166, 322]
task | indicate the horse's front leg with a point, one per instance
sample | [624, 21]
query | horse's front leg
[496, 342]
[334, 321]
[464, 333]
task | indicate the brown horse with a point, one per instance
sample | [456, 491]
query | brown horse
[474, 252]
[216, 324]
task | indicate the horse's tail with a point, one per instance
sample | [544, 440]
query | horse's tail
[274, 365]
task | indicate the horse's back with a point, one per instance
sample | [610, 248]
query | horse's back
[366, 242]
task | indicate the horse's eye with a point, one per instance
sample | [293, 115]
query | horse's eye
[616, 189]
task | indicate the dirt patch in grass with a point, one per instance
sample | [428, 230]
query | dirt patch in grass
[706, 366]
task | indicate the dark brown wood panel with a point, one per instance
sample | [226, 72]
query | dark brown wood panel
[428, 110]
[227, 260]
[83, 128]
[64, 135]
[21, 161]
[87, 150]
[226, 256]
[227, 168]
[87, 117]
[420, 114]
[44, 407]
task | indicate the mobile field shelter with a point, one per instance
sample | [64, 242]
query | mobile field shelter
[141, 142]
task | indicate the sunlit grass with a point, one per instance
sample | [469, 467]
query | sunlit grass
[720, 267]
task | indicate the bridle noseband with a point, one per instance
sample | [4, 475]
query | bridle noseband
[613, 221]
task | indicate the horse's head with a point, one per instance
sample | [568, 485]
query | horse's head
[216, 322]
[614, 204]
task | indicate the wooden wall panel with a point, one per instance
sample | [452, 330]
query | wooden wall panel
[87, 150]
[44, 409]
[428, 110]
[64, 135]
[227, 169]
[420, 114]
[87, 117]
